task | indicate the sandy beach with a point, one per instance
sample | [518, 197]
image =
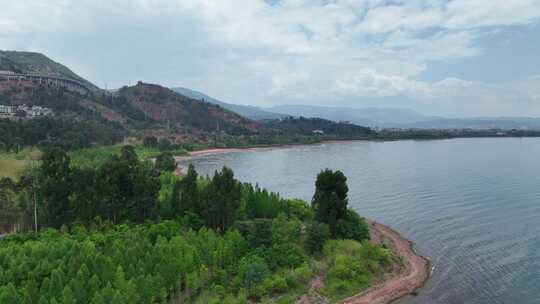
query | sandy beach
[211, 151]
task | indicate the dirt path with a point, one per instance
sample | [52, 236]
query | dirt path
[416, 275]
[313, 296]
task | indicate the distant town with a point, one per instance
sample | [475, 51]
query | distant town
[24, 111]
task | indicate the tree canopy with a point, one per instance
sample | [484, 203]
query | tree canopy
[127, 232]
[330, 198]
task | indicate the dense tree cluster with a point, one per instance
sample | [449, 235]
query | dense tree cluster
[67, 133]
[122, 189]
[131, 233]
[306, 126]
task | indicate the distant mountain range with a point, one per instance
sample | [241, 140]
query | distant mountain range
[506, 123]
[361, 116]
[250, 112]
[406, 118]
[28, 62]
[372, 117]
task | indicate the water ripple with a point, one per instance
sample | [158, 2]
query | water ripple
[471, 205]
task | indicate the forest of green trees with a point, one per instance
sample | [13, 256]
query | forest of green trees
[130, 231]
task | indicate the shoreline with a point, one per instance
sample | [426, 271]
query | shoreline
[213, 151]
[392, 289]
[405, 284]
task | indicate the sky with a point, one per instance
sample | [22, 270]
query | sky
[458, 58]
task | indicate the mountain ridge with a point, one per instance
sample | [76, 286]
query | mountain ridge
[364, 116]
[251, 112]
[32, 62]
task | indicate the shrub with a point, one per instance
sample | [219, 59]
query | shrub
[253, 270]
[353, 227]
[275, 284]
[316, 236]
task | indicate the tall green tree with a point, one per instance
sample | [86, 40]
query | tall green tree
[128, 189]
[84, 197]
[222, 199]
[188, 193]
[146, 184]
[9, 210]
[330, 198]
[115, 189]
[55, 184]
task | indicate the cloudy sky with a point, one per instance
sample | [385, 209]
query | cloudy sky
[440, 57]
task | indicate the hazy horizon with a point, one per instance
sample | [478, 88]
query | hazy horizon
[445, 58]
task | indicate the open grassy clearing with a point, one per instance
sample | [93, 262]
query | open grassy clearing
[94, 157]
[12, 164]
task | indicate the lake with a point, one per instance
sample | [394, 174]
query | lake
[471, 205]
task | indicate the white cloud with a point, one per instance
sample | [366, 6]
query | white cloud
[8, 26]
[252, 52]
[370, 83]
[481, 13]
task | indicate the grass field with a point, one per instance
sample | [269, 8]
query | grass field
[12, 164]
[95, 157]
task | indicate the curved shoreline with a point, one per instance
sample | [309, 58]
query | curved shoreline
[418, 270]
[212, 151]
[392, 289]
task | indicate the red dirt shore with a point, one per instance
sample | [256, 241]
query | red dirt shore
[417, 273]
[418, 267]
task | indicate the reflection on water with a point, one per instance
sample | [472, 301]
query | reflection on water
[471, 205]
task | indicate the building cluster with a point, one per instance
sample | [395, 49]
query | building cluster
[7, 111]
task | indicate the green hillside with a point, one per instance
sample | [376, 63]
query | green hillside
[138, 112]
[30, 62]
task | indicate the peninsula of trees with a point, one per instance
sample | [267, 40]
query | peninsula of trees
[129, 231]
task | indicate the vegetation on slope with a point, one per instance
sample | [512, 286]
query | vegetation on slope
[164, 105]
[330, 129]
[30, 62]
[147, 110]
[139, 111]
[130, 233]
[73, 125]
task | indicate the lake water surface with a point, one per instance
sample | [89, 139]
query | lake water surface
[470, 205]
